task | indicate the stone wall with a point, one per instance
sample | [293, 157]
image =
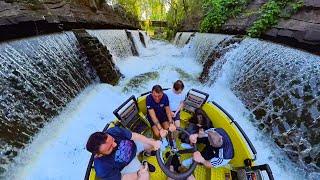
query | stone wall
[20, 20]
[99, 57]
[302, 30]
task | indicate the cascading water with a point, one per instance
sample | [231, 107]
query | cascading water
[202, 44]
[57, 67]
[177, 37]
[146, 37]
[116, 41]
[182, 40]
[135, 34]
[38, 76]
[281, 87]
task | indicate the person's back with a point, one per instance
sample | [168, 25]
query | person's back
[224, 153]
[218, 150]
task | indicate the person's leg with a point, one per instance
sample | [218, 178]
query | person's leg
[177, 119]
[165, 125]
[156, 132]
[177, 123]
[191, 177]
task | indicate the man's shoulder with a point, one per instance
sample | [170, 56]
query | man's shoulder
[104, 167]
[164, 97]
[103, 162]
[149, 98]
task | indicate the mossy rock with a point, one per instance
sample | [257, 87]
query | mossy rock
[138, 81]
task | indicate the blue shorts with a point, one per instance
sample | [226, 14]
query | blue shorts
[160, 120]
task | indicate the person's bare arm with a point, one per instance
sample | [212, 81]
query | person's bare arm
[141, 174]
[169, 115]
[198, 158]
[207, 164]
[130, 176]
[154, 118]
[179, 108]
[141, 138]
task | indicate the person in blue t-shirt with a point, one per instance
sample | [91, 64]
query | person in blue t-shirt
[115, 153]
[159, 113]
[218, 149]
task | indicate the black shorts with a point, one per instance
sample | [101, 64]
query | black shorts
[208, 152]
[177, 117]
[160, 121]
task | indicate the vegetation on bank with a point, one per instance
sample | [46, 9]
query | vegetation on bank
[271, 12]
[219, 11]
[214, 13]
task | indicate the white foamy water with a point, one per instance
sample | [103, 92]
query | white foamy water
[116, 41]
[58, 151]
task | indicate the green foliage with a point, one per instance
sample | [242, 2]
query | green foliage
[180, 10]
[270, 14]
[219, 11]
[297, 6]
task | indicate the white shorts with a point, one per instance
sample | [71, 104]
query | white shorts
[135, 164]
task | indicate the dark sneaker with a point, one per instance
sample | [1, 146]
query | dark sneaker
[150, 166]
[148, 154]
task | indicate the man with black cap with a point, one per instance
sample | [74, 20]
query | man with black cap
[115, 153]
[218, 149]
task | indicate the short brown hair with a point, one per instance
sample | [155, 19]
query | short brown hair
[95, 140]
[178, 85]
[157, 88]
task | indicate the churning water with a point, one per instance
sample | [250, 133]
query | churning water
[57, 151]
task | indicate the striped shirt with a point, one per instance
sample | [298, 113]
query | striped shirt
[225, 153]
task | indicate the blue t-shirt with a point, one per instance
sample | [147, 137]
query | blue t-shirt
[110, 166]
[227, 146]
[158, 107]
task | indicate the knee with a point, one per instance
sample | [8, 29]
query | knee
[156, 134]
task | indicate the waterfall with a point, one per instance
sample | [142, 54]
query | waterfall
[38, 76]
[115, 40]
[281, 87]
[137, 41]
[202, 44]
[146, 37]
[183, 38]
[177, 37]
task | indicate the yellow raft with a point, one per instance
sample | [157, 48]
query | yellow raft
[132, 115]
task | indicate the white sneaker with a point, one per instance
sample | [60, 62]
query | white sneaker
[187, 162]
[186, 146]
[164, 143]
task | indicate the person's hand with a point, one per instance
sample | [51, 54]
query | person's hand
[156, 144]
[193, 138]
[201, 133]
[198, 157]
[172, 127]
[163, 133]
[143, 172]
[173, 114]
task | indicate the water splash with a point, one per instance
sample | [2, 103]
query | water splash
[183, 38]
[137, 41]
[116, 41]
[202, 45]
[38, 76]
[281, 87]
